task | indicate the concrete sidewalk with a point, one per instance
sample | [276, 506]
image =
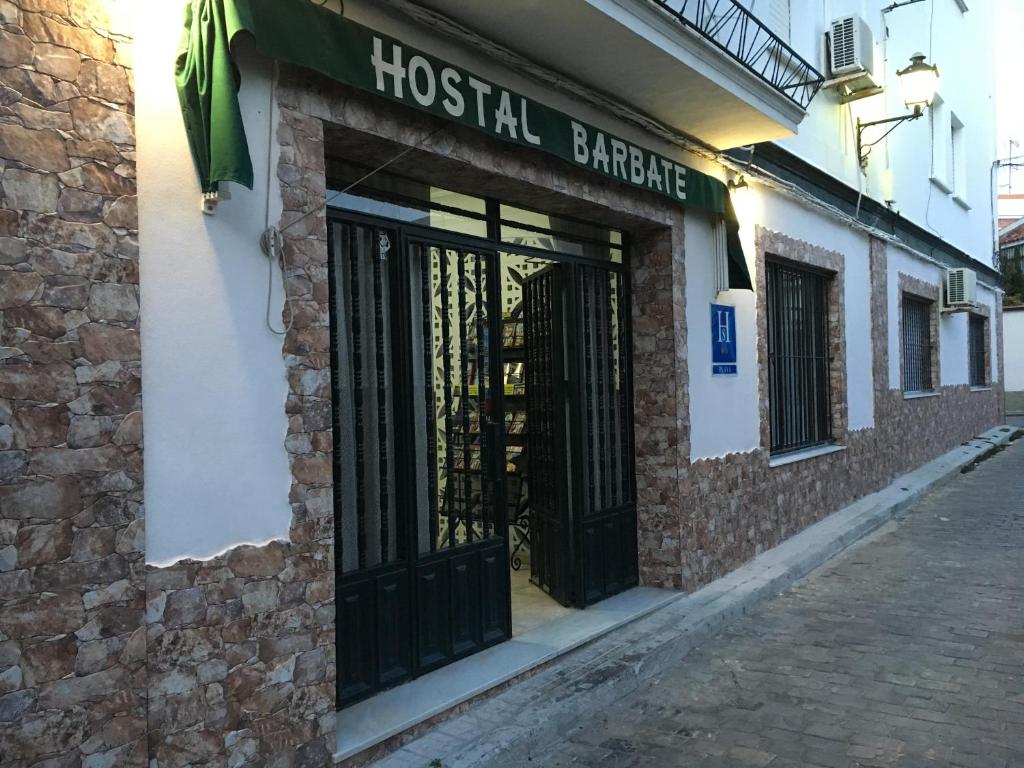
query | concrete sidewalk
[533, 717]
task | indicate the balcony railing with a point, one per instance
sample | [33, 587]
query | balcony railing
[739, 33]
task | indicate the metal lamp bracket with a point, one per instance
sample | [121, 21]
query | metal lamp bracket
[864, 149]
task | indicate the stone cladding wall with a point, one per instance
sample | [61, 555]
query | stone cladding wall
[72, 640]
[747, 506]
[660, 401]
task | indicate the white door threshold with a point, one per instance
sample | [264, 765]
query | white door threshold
[370, 722]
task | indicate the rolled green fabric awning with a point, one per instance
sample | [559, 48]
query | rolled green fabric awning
[300, 33]
[208, 81]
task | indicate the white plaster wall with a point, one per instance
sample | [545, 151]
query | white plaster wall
[1013, 339]
[859, 362]
[899, 167]
[783, 215]
[214, 386]
[953, 349]
[723, 409]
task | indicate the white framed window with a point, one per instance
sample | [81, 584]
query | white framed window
[958, 158]
[942, 145]
[776, 16]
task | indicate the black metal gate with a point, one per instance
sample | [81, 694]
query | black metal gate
[420, 445]
[606, 529]
[582, 499]
[421, 542]
[548, 445]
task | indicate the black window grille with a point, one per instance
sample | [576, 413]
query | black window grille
[976, 342]
[917, 344]
[799, 386]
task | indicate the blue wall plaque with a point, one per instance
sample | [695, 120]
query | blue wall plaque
[723, 340]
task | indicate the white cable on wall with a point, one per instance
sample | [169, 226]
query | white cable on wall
[271, 239]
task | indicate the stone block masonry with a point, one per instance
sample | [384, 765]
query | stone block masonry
[240, 653]
[103, 662]
[72, 638]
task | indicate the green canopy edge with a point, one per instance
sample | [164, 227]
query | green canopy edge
[301, 33]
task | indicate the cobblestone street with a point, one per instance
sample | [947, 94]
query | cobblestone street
[907, 651]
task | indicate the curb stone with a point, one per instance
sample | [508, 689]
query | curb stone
[501, 731]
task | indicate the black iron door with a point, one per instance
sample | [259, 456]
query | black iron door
[605, 526]
[461, 579]
[420, 525]
[547, 405]
[371, 511]
[583, 543]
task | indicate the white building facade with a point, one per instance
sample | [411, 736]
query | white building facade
[1014, 323]
[528, 305]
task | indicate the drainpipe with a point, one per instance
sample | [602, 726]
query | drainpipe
[994, 184]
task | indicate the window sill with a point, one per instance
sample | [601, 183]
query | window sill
[961, 202]
[810, 453]
[920, 395]
[940, 184]
[981, 388]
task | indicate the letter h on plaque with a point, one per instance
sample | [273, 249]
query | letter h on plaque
[723, 340]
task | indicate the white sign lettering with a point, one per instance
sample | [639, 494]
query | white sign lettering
[627, 162]
[444, 88]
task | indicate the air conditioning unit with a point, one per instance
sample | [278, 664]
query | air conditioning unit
[852, 49]
[961, 287]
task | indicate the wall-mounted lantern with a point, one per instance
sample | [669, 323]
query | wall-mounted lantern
[918, 83]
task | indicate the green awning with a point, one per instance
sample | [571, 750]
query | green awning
[301, 33]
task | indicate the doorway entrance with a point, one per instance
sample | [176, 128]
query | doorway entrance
[482, 426]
